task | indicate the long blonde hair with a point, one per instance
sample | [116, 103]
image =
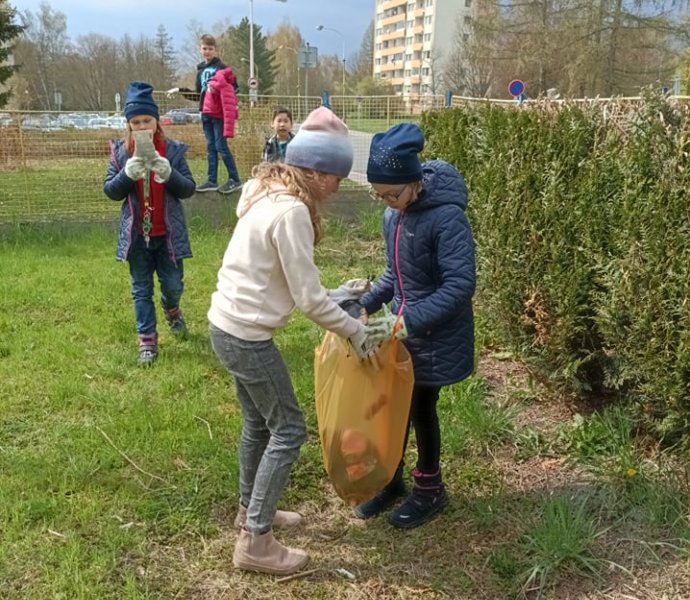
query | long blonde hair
[298, 182]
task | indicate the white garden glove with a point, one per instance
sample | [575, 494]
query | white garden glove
[361, 343]
[383, 328]
[352, 289]
[135, 168]
[161, 168]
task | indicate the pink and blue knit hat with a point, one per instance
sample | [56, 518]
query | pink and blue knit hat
[322, 143]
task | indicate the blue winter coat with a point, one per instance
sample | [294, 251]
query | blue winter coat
[118, 186]
[437, 270]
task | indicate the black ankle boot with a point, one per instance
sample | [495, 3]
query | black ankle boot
[427, 498]
[383, 500]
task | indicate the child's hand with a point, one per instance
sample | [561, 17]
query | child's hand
[161, 169]
[135, 168]
[380, 329]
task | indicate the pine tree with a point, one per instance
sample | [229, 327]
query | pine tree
[239, 60]
[9, 31]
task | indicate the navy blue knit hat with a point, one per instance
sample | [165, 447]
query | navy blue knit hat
[140, 100]
[393, 155]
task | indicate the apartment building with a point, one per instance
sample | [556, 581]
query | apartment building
[412, 39]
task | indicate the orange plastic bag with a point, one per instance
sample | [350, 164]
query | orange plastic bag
[362, 412]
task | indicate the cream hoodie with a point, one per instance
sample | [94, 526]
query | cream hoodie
[268, 270]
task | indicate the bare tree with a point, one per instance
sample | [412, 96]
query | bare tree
[581, 47]
[285, 42]
[363, 62]
[48, 45]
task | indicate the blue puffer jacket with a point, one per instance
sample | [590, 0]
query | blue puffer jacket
[436, 271]
[118, 186]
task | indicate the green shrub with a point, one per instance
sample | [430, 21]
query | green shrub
[581, 220]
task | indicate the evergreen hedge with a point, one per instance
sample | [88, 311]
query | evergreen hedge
[582, 222]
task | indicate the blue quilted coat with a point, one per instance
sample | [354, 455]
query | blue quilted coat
[118, 186]
[435, 271]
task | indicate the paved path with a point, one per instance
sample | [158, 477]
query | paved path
[361, 142]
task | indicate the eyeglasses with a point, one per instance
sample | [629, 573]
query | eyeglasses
[388, 197]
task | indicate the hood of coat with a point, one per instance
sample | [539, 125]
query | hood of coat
[441, 184]
[223, 78]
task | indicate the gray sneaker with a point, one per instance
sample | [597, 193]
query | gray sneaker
[207, 186]
[177, 324]
[147, 356]
[229, 187]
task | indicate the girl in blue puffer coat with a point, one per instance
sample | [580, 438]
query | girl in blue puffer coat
[153, 234]
[429, 281]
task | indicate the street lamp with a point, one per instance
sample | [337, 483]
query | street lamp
[342, 37]
[252, 71]
[251, 37]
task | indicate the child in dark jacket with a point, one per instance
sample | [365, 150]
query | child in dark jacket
[430, 281]
[153, 234]
[276, 145]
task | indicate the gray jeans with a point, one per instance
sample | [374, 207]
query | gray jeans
[273, 429]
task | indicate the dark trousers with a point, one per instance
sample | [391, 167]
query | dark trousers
[424, 419]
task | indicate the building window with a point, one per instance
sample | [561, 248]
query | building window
[425, 71]
[408, 57]
[427, 54]
[429, 2]
[468, 3]
[467, 20]
[427, 20]
[427, 37]
[465, 37]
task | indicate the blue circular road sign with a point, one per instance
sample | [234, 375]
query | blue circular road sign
[516, 88]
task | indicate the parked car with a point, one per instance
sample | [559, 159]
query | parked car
[180, 116]
[40, 123]
[73, 120]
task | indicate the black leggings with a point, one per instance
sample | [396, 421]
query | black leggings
[424, 419]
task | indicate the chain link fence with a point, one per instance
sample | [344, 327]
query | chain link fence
[52, 164]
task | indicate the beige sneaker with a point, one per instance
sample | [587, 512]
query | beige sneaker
[283, 518]
[264, 554]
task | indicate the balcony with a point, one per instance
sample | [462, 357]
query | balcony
[394, 19]
[393, 35]
[389, 51]
[392, 4]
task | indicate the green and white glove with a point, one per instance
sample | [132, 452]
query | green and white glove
[362, 344]
[161, 169]
[352, 289]
[388, 325]
[135, 168]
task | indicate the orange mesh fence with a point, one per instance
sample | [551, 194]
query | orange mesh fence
[52, 164]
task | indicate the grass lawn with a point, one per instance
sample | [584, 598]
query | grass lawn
[118, 482]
